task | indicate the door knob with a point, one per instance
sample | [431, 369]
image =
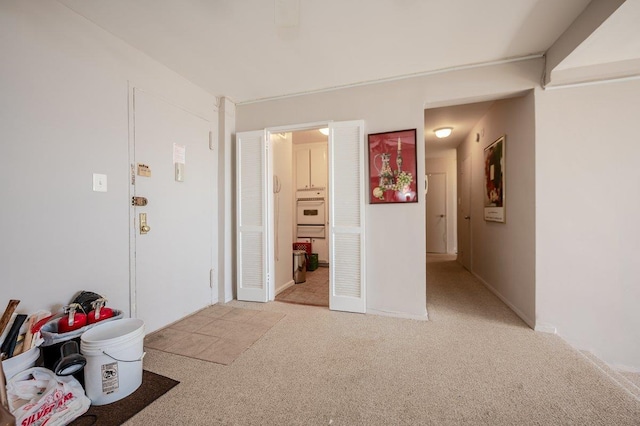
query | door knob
[144, 228]
[467, 217]
[440, 215]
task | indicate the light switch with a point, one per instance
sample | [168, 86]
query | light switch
[99, 182]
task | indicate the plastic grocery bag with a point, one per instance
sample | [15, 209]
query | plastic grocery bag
[37, 397]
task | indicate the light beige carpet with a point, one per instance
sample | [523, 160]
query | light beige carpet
[473, 363]
[216, 334]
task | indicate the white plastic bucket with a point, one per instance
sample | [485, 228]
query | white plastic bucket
[19, 363]
[114, 352]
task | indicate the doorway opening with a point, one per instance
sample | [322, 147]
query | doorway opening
[480, 243]
[255, 180]
[445, 157]
[300, 216]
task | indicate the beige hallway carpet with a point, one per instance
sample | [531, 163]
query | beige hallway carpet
[473, 363]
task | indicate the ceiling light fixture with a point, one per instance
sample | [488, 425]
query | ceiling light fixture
[443, 132]
[324, 131]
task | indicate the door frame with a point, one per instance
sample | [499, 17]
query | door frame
[133, 305]
[465, 221]
[271, 285]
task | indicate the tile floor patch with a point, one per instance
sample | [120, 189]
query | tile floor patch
[216, 334]
[314, 291]
[164, 338]
[215, 311]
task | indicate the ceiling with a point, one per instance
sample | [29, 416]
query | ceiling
[461, 117]
[308, 136]
[615, 40]
[254, 50]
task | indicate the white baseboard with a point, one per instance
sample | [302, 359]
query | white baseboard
[614, 374]
[587, 351]
[284, 287]
[545, 328]
[531, 323]
[424, 317]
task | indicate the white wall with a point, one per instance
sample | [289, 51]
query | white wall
[283, 210]
[63, 116]
[396, 270]
[587, 231]
[448, 167]
[504, 253]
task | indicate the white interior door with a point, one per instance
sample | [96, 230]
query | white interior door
[436, 213]
[171, 264]
[252, 185]
[464, 218]
[346, 218]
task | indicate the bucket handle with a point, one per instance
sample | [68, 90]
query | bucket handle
[124, 360]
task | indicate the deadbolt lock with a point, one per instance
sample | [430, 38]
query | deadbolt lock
[138, 201]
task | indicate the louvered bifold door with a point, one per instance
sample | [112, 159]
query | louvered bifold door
[346, 219]
[251, 202]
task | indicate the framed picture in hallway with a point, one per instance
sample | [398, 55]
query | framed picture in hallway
[393, 167]
[494, 181]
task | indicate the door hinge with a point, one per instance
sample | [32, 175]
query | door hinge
[211, 277]
[133, 175]
[211, 140]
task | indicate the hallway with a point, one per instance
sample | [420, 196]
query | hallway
[454, 294]
[457, 298]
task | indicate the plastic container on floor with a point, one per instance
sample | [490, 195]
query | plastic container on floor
[299, 266]
[312, 264]
[114, 352]
[20, 363]
[303, 246]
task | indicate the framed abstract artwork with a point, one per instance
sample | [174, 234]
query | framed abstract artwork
[494, 181]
